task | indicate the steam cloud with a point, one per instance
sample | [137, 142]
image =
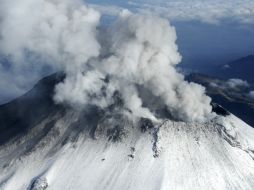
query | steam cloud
[136, 50]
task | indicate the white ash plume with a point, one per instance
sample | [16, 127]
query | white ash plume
[139, 50]
[142, 51]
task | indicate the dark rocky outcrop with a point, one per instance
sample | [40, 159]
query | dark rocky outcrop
[39, 184]
[145, 124]
[219, 110]
[116, 134]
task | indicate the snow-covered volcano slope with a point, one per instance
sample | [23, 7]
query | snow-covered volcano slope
[52, 147]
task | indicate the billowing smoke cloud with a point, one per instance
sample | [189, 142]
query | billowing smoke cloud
[43, 36]
[61, 32]
[139, 50]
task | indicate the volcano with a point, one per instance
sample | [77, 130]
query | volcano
[49, 146]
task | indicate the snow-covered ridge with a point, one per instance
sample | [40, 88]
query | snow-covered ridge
[117, 154]
[60, 148]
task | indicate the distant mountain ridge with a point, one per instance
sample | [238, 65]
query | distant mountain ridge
[241, 68]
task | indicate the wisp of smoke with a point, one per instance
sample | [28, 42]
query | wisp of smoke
[139, 50]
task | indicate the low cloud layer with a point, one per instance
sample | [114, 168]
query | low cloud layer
[136, 50]
[208, 11]
[233, 84]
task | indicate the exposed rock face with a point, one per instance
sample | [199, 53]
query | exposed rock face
[145, 124]
[116, 134]
[220, 110]
[39, 184]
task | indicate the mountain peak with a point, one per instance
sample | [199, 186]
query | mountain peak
[105, 149]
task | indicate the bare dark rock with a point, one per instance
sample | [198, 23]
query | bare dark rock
[156, 149]
[145, 124]
[219, 110]
[116, 134]
[131, 156]
[39, 184]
